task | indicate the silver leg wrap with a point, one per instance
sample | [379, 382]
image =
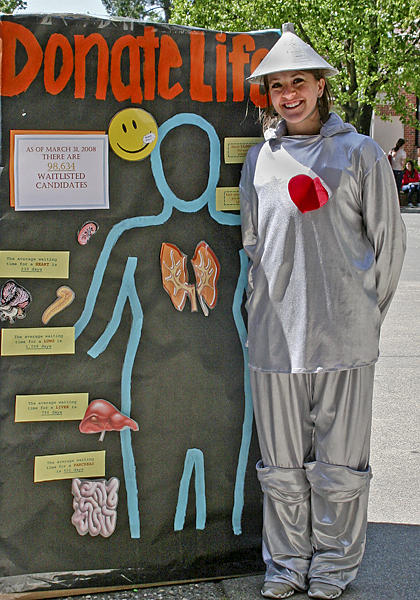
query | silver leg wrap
[287, 546]
[339, 499]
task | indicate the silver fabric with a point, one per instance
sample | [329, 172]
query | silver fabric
[320, 282]
[339, 502]
[286, 546]
[314, 434]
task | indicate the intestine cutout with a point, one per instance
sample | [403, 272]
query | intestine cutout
[95, 506]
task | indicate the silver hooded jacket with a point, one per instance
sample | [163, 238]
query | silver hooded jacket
[321, 225]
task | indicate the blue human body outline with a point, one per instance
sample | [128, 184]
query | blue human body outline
[194, 459]
[128, 291]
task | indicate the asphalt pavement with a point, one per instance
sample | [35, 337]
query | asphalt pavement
[390, 571]
[391, 566]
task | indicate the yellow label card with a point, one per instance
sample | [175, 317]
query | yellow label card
[68, 466]
[236, 148]
[21, 263]
[51, 407]
[227, 198]
[27, 342]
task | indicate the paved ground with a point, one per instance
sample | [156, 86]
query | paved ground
[395, 457]
[391, 567]
[390, 571]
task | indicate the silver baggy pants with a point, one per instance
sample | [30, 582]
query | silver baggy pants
[314, 435]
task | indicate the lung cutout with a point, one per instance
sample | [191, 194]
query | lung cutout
[307, 193]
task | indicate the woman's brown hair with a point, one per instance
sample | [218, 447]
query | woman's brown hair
[399, 144]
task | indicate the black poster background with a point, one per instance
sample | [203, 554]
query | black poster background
[187, 385]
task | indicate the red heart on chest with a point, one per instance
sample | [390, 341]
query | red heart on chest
[307, 193]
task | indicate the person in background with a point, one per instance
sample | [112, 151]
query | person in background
[410, 179]
[322, 228]
[397, 159]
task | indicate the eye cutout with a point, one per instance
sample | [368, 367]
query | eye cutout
[124, 128]
[134, 124]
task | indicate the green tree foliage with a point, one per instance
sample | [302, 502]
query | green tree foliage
[9, 6]
[374, 43]
[149, 10]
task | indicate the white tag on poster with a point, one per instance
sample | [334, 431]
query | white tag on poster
[60, 171]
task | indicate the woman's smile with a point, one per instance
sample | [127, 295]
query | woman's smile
[293, 104]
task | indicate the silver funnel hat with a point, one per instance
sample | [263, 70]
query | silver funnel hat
[290, 53]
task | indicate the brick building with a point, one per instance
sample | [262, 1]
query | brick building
[386, 133]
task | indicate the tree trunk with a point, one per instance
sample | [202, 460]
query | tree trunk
[365, 119]
[350, 109]
[359, 115]
[166, 5]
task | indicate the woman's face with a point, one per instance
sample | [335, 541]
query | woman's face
[294, 95]
[409, 167]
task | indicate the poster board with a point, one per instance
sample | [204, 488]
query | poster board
[131, 306]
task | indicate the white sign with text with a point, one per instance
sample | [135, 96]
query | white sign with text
[61, 172]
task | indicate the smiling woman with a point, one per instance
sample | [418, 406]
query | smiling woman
[321, 226]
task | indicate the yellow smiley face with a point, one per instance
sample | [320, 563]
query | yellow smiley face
[132, 134]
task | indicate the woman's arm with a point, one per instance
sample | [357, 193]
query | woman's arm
[249, 211]
[384, 227]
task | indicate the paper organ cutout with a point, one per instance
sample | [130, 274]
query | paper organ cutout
[86, 231]
[175, 276]
[65, 297]
[95, 506]
[307, 193]
[14, 300]
[102, 416]
[206, 269]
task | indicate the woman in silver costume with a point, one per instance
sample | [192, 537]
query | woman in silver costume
[323, 232]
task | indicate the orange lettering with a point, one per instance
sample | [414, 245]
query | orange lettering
[221, 69]
[12, 84]
[55, 86]
[257, 98]
[131, 68]
[198, 89]
[82, 46]
[149, 43]
[133, 89]
[169, 58]
[239, 59]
